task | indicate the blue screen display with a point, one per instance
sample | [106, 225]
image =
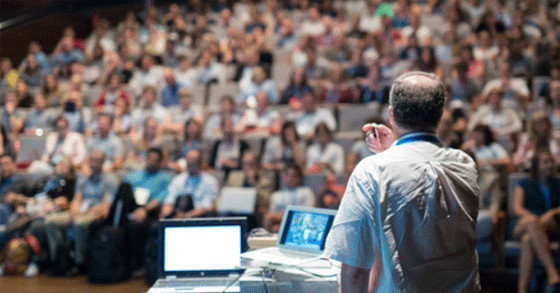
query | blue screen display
[306, 230]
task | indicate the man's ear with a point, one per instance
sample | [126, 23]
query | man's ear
[391, 118]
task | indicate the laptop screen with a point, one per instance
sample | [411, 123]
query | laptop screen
[200, 247]
[306, 230]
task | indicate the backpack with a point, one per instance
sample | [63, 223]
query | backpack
[108, 258]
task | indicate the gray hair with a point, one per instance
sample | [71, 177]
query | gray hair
[417, 105]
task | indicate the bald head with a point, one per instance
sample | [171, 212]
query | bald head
[417, 99]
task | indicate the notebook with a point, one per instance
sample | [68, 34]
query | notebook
[200, 255]
[301, 238]
[237, 200]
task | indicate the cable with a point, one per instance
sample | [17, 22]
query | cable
[264, 280]
[233, 282]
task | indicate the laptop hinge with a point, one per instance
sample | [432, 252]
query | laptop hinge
[173, 277]
[233, 275]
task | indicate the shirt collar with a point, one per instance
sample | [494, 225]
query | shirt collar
[417, 136]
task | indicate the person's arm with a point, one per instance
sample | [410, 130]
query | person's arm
[353, 279]
[101, 210]
[518, 199]
[75, 205]
[166, 210]
[299, 156]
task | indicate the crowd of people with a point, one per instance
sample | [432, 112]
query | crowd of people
[137, 102]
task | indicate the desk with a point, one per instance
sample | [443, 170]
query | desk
[318, 276]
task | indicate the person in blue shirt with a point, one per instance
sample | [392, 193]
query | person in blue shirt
[150, 189]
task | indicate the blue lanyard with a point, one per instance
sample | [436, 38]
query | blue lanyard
[419, 137]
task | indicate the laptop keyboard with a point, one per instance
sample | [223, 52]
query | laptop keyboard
[194, 283]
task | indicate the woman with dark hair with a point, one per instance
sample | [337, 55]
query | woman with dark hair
[335, 89]
[536, 204]
[324, 155]
[539, 137]
[427, 62]
[285, 149]
[52, 90]
[297, 88]
[114, 89]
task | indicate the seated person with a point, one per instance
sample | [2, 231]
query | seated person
[324, 155]
[182, 113]
[536, 205]
[150, 188]
[192, 193]
[15, 188]
[250, 175]
[539, 136]
[259, 83]
[284, 150]
[310, 115]
[63, 143]
[294, 193]
[91, 202]
[227, 152]
[192, 139]
[106, 141]
[227, 108]
[259, 119]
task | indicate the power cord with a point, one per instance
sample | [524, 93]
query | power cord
[233, 282]
[264, 279]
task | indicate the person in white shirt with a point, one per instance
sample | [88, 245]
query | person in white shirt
[313, 26]
[516, 91]
[324, 155]
[407, 220]
[63, 143]
[294, 193]
[200, 187]
[310, 116]
[148, 75]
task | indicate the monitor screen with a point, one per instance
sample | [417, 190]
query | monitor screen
[201, 248]
[306, 230]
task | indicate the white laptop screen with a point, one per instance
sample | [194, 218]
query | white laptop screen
[306, 230]
[201, 248]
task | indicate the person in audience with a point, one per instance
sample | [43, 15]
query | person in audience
[149, 108]
[30, 72]
[149, 75]
[106, 141]
[185, 73]
[505, 122]
[209, 70]
[92, 200]
[55, 196]
[73, 111]
[553, 103]
[192, 140]
[180, 114]
[6, 146]
[15, 188]
[122, 119]
[539, 137]
[22, 93]
[170, 92]
[191, 193]
[227, 152]
[314, 70]
[536, 204]
[227, 108]
[259, 83]
[113, 91]
[288, 148]
[250, 175]
[463, 88]
[38, 117]
[9, 75]
[150, 187]
[292, 193]
[310, 115]
[335, 89]
[259, 118]
[324, 155]
[64, 143]
[150, 137]
[515, 90]
[65, 53]
[297, 88]
[52, 90]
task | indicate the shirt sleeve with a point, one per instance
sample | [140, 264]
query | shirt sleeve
[172, 191]
[352, 239]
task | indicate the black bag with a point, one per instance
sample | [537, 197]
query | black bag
[63, 261]
[151, 269]
[108, 254]
[107, 258]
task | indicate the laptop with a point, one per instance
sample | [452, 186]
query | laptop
[31, 148]
[200, 255]
[301, 238]
[237, 200]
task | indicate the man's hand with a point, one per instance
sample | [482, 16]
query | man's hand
[381, 143]
[140, 214]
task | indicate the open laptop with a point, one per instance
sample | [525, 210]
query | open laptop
[200, 255]
[31, 148]
[301, 238]
[237, 200]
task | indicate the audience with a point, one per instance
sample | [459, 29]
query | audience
[149, 83]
